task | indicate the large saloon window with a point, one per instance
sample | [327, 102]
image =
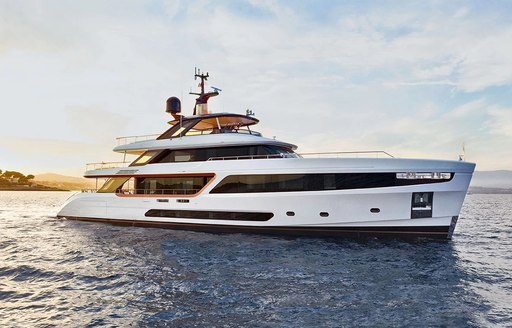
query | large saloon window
[171, 185]
[181, 185]
[314, 182]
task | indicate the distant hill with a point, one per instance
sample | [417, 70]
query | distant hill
[64, 182]
[492, 179]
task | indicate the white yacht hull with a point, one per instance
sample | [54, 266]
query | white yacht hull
[382, 211]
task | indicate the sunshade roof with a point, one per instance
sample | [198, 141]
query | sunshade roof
[212, 121]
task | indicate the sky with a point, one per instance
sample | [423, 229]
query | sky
[414, 78]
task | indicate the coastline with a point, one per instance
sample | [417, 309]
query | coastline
[489, 190]
[28, 188]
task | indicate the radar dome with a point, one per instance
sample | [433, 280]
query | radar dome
[173, 107]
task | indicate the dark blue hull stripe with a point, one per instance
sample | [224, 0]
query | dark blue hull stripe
[396, 231]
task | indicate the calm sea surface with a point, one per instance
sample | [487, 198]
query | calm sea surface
[67, 273]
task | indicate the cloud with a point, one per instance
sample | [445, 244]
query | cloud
[96, 124]
[460, 13]
[417, 78]
[26, 27]
[500, 122]
[487, 62]
[467, 109]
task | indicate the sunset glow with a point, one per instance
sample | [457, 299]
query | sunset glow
[416, 79]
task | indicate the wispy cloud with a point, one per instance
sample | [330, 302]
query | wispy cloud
[418, 77]
[500, 122]
[95, 124]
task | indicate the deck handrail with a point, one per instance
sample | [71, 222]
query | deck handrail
[342, 153]
[150, 191]
[130, 139]
[90, 190]
[335, 154]
[225, 158]
[157, 191]
[105, 165]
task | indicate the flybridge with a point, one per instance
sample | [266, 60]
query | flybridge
[202, 121]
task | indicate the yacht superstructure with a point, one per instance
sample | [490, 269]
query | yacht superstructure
[212, 172]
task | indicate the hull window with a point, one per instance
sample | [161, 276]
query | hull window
[314, 182]
[421, 205]
[171, 185]
[211, 215]
[181, 185]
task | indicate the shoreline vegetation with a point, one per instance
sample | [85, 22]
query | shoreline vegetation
[16, 181]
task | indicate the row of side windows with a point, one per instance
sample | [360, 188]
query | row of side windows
[182, 185]
[171, 185]
[203, 154]
[312, 182]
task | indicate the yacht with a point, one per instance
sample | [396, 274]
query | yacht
[213, 172]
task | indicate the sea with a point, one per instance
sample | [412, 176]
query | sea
[60, 273]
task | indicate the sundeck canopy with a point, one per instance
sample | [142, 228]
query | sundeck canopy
[216, 121]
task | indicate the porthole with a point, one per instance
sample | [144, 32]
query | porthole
[375, 210]
[290, 213]
[324, 214]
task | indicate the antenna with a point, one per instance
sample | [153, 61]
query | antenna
[462, 157]
[201, 106]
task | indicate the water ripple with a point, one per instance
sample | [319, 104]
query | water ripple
[56, 273]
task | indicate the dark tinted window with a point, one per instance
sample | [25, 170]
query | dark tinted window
[203, 154]
[145, 158]
[312, 182]
[170, 185]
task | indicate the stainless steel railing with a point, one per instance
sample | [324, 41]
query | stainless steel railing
[343, 154]
[338, 154]
[157, 191]
[226, 158]
[130, 139]
[105, 165]
[150, 191]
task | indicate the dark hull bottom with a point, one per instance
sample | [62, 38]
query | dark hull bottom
[438, 232]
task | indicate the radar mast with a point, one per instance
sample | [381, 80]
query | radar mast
[201, 106]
